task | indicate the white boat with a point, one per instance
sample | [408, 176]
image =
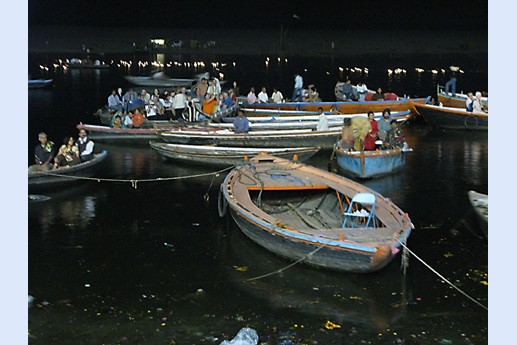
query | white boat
[221, 155]
[272, 138]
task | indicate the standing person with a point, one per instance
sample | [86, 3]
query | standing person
[236, 89]
[384, 123]
[215, 88]
[450, 85]
[43, 153]
[179, 103]
[241, 123]
[85, 146]
[129, 99]
[371, 138]
[298, 88]
[262, 96]
[201, 89]
[277, 96]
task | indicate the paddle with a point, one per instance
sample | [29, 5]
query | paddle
[332, 156]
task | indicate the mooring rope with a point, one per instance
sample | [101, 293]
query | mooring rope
[286, 267]
[134, 182]
[442, 277]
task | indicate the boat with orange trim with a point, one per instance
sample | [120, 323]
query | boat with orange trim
[308, 215]
[341, 107]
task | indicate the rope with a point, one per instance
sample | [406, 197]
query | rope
[286, 267]
[442, 277]
[134, 182]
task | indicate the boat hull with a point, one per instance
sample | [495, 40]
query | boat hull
[296, 211]
[225, 156]
[479, 202]
[370, 164]
[135, 136]
[302, 138]
[452, 118]
[62, 177]
[353, 260]
[341, 107]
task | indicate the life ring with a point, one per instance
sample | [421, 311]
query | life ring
[471, 122]
[222, 203]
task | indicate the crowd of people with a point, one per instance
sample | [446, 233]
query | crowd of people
[367, 134]
[130, 109]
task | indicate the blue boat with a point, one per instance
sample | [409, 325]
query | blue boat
[39, 83]
[370, 164]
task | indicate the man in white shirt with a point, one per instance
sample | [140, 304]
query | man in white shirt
[262, 96]
[277, 96]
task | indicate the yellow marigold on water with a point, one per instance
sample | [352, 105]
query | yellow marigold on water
[331, 325]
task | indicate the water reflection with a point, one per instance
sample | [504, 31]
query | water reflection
[349, 299]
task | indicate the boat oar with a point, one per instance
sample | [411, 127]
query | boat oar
[332, 156]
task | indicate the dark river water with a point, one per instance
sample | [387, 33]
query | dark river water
[115, 262]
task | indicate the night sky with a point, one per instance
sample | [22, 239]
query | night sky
[374, 14]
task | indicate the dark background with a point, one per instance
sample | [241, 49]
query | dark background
[411, 15]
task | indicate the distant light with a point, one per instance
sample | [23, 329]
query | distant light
[433, 71]
[419, 70]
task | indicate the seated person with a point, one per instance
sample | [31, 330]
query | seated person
[137, 119]
[117, 121]
[241, 123]
[209, 104]
[394, 138]
[128, 120]
[68, 154]
[85, 146]
[378, 96]
[44, 153]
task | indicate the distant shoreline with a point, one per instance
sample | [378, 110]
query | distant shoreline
[72, 40]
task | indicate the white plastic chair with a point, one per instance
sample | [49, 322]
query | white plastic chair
[359, 202]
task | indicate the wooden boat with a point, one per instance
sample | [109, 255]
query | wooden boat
[272, 138]
[370, 164]
[311, 116]
[220, 155]
[39, 83]
[297, 211]
[139, 136]
[50, 180]
[479, 202]
[342, 107]
[453, 118]
[304, 121]
[456, 101]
